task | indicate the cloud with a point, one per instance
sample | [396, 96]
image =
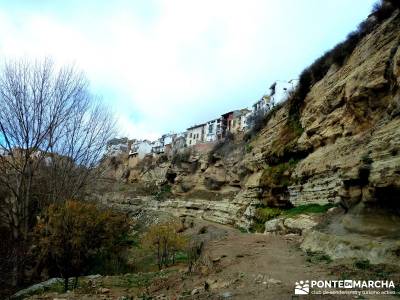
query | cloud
[165, 65]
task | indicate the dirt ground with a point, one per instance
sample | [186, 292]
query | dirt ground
[235, 265]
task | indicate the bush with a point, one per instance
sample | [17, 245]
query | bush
[71, 236]
[363, 264]
[165, 241]
[264, 214]
[163, 193]
[248, 148]
[278, 175]
[260, 120]
[194, 250]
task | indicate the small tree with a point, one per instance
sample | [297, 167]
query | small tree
[72, 234]
[52, 136]
[165, 241]
[194, 250]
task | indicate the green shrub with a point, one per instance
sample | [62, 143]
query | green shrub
[262, 215]
[265, 214]
[315, 257]
[307, 208]
[278, 175]
[248, 148]
[363, 264]
[64, 238]
[258, 121]
[366, 159]
[163, 193]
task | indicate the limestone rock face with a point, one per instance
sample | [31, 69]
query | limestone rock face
[345, 149]
[352, 247]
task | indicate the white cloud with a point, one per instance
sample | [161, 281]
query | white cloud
[168, 66]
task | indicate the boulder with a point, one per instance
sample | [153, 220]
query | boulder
[299, 224]
[39, 287]
[274, 225]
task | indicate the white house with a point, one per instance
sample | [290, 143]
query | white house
[140, 148]
[195, 134]
[117, 146]
[211, 130]
[157, 146]
[280, 89]
[262, 105]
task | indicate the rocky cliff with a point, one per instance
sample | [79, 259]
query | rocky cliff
[339, 145]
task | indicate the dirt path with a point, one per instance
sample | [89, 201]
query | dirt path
[235, 265]
[258, 266]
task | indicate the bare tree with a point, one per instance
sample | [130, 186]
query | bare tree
[52, 134]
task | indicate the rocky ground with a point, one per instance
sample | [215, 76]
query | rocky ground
[235, 265]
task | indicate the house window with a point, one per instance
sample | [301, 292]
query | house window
[234, 123]
[210, 128]
[190, 135]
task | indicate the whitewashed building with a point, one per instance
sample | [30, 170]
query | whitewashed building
[211, 130]
[195, 134]
[140, 148]
[157, 146]
[280, 90]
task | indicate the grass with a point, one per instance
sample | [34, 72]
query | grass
[163, 193]
[307, 208]
[315, 257]
[248, 148]
[262, 215]
[138, 280]
[181, 257]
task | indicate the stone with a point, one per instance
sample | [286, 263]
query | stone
[259, 278]
[274, 225]
[273, 281]
[196, 291]
[104, 290]
[226, 295]
[37, 287]
[351, 246]
[300, 223]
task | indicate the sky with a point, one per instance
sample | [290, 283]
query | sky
[164, 65]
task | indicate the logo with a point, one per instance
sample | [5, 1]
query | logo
[348, 284]
[344, 287]
[302, 288]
